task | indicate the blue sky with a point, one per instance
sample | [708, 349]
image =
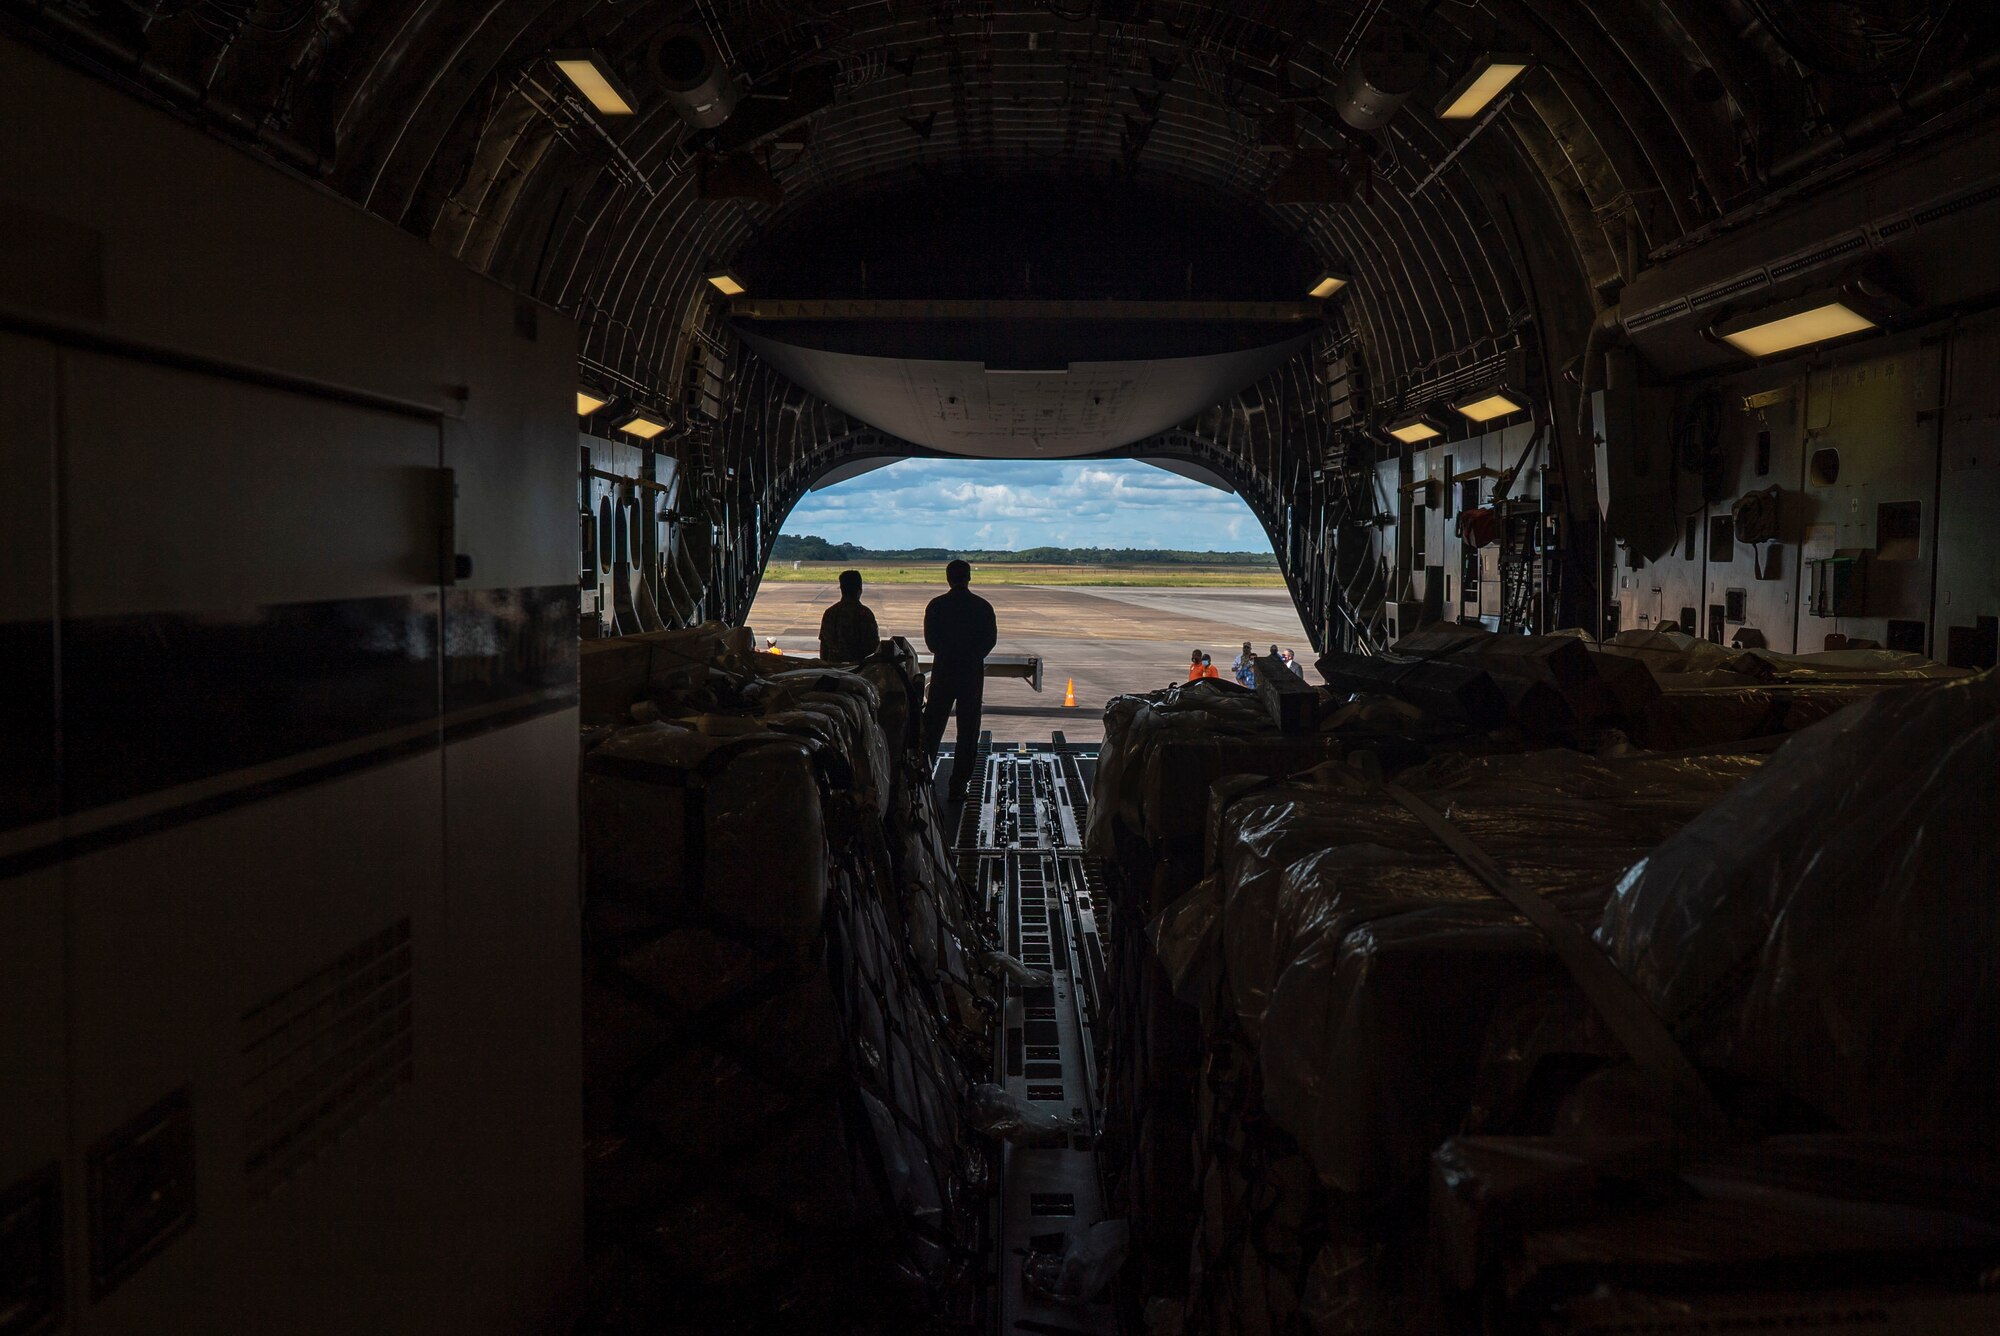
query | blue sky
[1012, 504]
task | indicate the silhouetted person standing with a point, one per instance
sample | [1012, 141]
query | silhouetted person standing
[961, 632]
[847, 630]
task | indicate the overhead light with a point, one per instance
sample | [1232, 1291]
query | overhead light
[1328, 284]
[589, 401]
[642, 426]
[1794, 325]
[727, 282]
[1487, 79]
[1486, 405]
[591, 73]
[1413, 427]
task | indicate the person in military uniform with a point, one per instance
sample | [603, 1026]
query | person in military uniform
[961, 631]
[847, 630]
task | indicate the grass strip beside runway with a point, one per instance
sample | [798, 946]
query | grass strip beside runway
[1003, 573]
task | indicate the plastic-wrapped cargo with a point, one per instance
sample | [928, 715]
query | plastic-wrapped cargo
[679, 816]
[1355, 973]
[1161, 754]
[1713, 715]
[1715, 694]
[892, 670]
[1554, 684]
[1162, 750]
[841, 709]
[783, 1000]
[1679, 659]
[1830, 929]
[1819, 1233]
[1363, 960]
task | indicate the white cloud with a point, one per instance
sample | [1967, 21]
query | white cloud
[1028, 503]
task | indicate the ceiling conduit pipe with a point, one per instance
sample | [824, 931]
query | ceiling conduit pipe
[1571, 198]
[1591, 54]
[1590, 370]
[1649, 52]
[1873, 123]
[1726, 56]
[190, 99]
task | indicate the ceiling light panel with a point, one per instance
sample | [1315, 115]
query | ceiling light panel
[1818, 324]
[1488, 78]
[592, 77]
[1487, 407]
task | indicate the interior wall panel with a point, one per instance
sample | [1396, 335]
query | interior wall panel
[1761, 448]
[183, 243]
[1967, 604]
[506, 1073]
[509, 977]
[176, 938]
[1877, 408]
[307, 869]
[34, 1115]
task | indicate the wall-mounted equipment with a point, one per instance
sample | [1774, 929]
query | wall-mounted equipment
[1478, 527]
[592, 76]
[643, 425]
[778, 111]
[1633, 448]
[1380, 78]
[1826, 316]
[1838, 583]
[1756, 516]
[1490, 404]
[141, 1189]
[698, 86]
[1490, 74]
[1721, 540]
[1412, 428]
[1328, 283]
[1899, 527]
[1425, 493]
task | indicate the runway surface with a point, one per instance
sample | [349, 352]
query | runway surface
[1109, 640]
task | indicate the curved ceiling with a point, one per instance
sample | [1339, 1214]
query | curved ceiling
[970, 408]
[1643, 126]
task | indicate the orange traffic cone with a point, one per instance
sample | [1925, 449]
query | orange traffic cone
[1069, 693]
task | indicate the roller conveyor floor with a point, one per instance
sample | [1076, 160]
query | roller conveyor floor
[1020, 847]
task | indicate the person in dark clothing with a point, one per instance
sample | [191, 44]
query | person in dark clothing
[960, 631]
[847, 630]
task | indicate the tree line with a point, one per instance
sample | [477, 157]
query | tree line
[811, 547]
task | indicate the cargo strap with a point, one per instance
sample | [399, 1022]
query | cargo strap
[1644, 1035]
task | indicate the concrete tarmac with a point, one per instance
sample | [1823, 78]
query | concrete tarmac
[1109, 640]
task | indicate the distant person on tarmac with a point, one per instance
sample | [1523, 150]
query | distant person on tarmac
[1208, 668]
[1293, 662]
[1245, 667]
[1194, 667]
[960, 630]
[847, 630]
